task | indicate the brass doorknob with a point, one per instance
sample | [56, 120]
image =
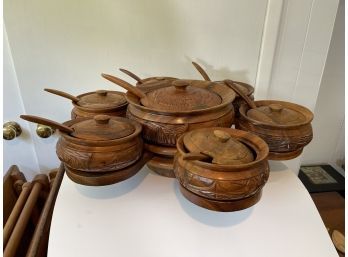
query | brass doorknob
[44, 131]
[11, 130]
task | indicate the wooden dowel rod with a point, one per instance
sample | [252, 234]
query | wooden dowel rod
[16, 211]
[46, 215]
[16, 236]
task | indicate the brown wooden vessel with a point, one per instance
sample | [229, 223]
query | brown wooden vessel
[286, 127]
[221, 169]
[287, 135]
[98, 147]
[169, 109]
[90, 104]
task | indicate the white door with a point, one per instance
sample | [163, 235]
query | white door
[67, 44]
[20, 150]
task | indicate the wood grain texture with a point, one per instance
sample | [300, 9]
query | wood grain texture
[163, 166]
[166, 132]
[100, 104]
[221, 206]
[284, 141]
[107, 178]
[224, 182]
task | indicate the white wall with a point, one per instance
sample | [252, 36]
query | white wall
[328, 125]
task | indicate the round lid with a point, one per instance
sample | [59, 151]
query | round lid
[101, 128]
[101, 99]
[279, 114]
[219, 145]
[181, 96]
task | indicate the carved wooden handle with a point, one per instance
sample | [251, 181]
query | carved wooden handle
[63, 94]
[132, 75]
[48, 122]
[125, 85]
[240, 93]
[201, 71]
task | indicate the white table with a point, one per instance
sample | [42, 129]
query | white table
[146, 216]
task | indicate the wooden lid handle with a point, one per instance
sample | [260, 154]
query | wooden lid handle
[63, 94]
[222, 135]
[275, 107]
[51, 123]
[201, 71]
[102, 119]
[180, 84]
[101, 92]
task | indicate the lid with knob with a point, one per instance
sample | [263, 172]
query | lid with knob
[219, 145]
[280, 114]
[181, 95]
[102, 127]
[102, 99]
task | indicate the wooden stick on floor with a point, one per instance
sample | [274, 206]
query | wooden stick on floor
[39, 182]
[16, 211]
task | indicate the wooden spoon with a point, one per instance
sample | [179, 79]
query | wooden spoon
[252, 113]
[136, 91]
[201, 71]
[132, 75]
[63, 94]
[51, 123]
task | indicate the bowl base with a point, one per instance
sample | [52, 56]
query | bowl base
[107, 178]
[163, 166]
[274, 156]
[221, 206]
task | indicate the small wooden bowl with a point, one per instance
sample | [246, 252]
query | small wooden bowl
[285, 141]
[100, 106]
[223, 187]
[98, 156]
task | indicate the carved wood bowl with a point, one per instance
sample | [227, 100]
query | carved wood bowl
[229, 178]
[112, 103]
[109, 145]
[286, 138]
[164, 127]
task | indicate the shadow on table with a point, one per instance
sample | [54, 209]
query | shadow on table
[115, 190]
[211, 218]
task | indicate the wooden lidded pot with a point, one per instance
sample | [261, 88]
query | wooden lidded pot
[98, 151]
[287, 131]
[112, 103]
[221, 169]
[177, 106]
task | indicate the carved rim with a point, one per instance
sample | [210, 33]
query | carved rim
[103, 110]
[137, 126]
[298, 108]
[226, 93]
[257, 144]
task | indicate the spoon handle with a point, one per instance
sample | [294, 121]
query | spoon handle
[125, 85]
[132, 75]
[201, 71]
[51, 123]
[240, 93]
[195, 156]
[63, 94]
